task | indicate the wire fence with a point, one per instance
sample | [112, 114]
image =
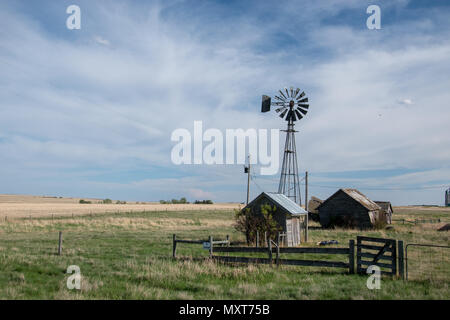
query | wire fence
[426, 262]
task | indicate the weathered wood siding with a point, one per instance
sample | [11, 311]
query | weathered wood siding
[342, 207]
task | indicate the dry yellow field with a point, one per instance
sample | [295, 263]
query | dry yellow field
[21, 206]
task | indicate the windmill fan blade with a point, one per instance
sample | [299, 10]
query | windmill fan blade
[299, 115]
[302, 111]
[292, 92]
[304, 106]
[303, 100]
[282, 94]
[281, 99]
[278, 103]
[287, 92]
[280, 109]
[292, 115]
[301, 95]
[296, 92]
[283, 113]
[265, 105]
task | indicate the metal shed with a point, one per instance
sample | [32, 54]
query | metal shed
[292, 218]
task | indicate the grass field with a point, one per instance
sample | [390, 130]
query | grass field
[128, 256]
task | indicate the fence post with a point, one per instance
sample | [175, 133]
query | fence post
[228, 240]
[401, 263]
[257, 238]
[174, 248]
[210, 246]
[270, 251]
[265, 238]
[394, 258]
[351, 256]
[60, 243]
[278, 249]
[358, 255]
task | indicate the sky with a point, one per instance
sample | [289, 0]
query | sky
[90, 112]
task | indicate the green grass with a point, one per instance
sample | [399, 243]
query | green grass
[128, 256]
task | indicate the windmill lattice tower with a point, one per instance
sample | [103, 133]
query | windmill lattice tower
[292, 106]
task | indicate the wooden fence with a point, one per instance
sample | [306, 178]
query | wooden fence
[209, 243]
[417, 221]
[273, 248]
[384, 253]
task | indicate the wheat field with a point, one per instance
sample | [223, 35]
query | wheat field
[25, 206]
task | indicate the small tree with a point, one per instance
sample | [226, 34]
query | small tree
[107, 201]
[249, 223]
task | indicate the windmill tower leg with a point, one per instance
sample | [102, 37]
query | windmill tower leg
[289, 181]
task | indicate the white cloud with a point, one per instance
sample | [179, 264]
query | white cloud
[67, 103]
[101, 41]
[405, 101]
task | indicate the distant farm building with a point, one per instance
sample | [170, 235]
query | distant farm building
[447, 197]
[387, 208]
[289, 215]
[313, 204]
[350, 208]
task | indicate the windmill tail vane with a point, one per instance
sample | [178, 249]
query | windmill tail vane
[291, 105]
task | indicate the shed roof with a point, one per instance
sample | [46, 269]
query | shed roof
[357, 196]
[385, 205]
[280, 199]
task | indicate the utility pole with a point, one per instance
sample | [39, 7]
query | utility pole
[247, 170]
[306, 190]
[306, 206]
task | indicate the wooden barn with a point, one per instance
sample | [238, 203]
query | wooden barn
[349, 207]
[292, 218]
[313, 204]
[387, 208]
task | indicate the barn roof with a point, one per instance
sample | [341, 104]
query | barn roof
[384, 205]
[280, 199]
[359, 197]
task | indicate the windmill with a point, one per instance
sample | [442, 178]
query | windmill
[291, 105]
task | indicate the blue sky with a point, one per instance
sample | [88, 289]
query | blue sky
[90, 112]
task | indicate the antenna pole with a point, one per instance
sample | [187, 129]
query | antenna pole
[248, 180]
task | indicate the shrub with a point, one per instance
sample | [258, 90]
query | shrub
[107, 201]
[84, 201]
[249, 223]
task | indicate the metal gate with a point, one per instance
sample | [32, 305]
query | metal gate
[427, 262]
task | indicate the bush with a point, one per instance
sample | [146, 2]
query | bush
[107, 201]
[84, 201]
[249, 223]
[121, 202]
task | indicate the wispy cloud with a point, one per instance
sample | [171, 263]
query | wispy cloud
[78, 101]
